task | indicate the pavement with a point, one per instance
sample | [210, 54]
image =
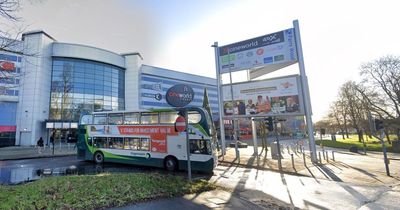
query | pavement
[351, 181]
[27, 152]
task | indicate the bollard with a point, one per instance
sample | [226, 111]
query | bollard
[327, 158]
[304, 159]
[333, 156]
[319, 155]
[292, 161]
[323, 153]
[287, 147]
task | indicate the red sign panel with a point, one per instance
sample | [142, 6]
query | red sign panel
[8, 66]
[158, 135]
[180, 124]
[8, 128]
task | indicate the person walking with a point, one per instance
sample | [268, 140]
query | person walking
[40, 145]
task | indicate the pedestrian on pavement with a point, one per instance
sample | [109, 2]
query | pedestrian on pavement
[40, 145]
[52, 140]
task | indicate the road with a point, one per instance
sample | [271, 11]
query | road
[18, 171]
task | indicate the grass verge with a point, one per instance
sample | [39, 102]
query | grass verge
[96, 191]
[371, 144]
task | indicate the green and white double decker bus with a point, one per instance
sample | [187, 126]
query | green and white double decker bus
[148, 137]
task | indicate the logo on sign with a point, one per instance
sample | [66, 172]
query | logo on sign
[179, 95]
[268, 60]
[260, 51]
[8, 66]
[279, 58]
[158, 96]
[286, 85]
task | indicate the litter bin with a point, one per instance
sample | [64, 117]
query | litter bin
[274, 150]
[353, 149]
[396, 146]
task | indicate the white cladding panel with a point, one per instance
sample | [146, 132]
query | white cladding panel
[132, 64]
[33, 106]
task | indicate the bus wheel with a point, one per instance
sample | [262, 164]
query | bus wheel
[98, 157]
[170, 164]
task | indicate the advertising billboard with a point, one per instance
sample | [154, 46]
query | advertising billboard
[276, 50]
[272, 97]
[154, 91]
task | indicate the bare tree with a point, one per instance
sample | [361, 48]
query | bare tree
[61, 95]
[339, 113]
[9, 34]
[354, 106]
[383, 93]
[11, 31]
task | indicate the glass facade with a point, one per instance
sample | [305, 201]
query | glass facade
[82, 86]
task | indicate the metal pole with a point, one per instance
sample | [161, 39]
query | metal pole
[304, 159]
[278, 145]
[235, 123]
[385, 153]
[305, 90]
[292, 160]
[53, 143]
[319, 155]
[364, 145]
[327, 158]
[254, 131]
[220, 100]
[188, 146]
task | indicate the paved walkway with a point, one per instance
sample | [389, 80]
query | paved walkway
[25, 152]
[352, 181]
[346, 166]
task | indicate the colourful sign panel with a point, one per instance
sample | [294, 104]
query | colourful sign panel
[276, 50]
[280, 96]
[157, 134]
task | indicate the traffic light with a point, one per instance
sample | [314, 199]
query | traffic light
[269, 122]
[378, 124]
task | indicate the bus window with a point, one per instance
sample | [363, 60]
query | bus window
[200, 146]
[194, 117]
[116, 142]
[115, 119]
[100, 142]
[149, 118]
[86, 119]
[131, 118]
[145, 144]
[100, 119]
[168, 117]
[132, 143]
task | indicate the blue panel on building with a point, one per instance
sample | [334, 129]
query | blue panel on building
[8, 112]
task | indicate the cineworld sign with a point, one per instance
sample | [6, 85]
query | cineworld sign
[179, 95]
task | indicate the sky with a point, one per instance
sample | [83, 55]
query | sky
[337, 36]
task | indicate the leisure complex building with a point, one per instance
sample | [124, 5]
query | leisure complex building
[45, 86]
